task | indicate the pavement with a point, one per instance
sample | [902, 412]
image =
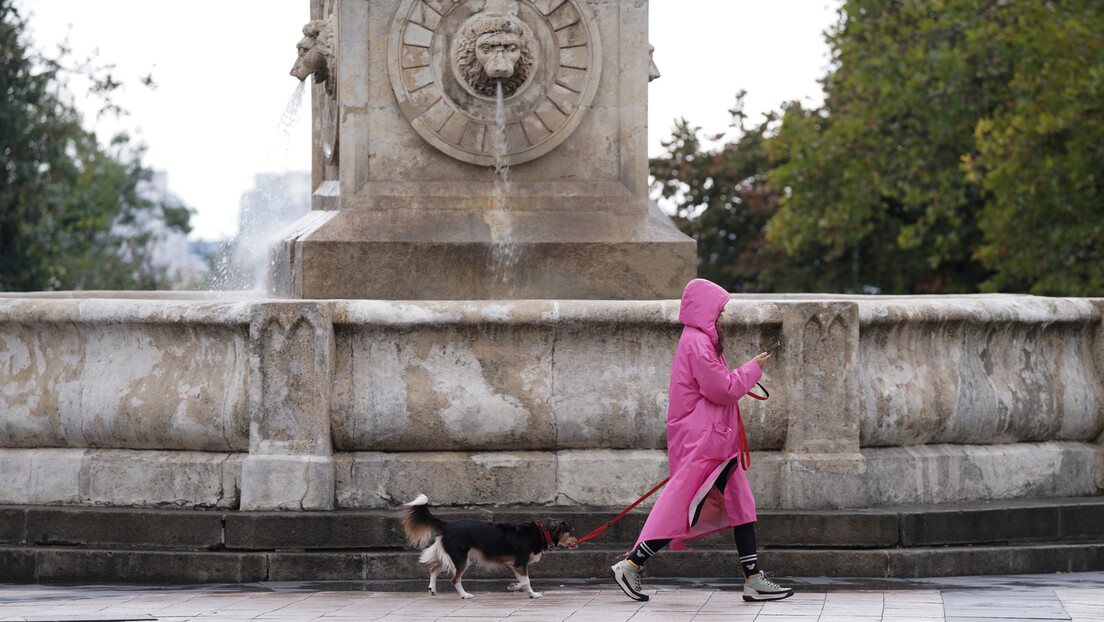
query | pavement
[1077, 597]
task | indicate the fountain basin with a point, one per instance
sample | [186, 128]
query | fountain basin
[202, 401]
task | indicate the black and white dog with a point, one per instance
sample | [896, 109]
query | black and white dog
[449, 546]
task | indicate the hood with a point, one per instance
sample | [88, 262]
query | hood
[702, 302]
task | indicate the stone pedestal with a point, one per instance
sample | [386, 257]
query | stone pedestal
[821, 465]
[290, 462]
[452, 255]
[426, 187]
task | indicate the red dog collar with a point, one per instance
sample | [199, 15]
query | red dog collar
[548, 543]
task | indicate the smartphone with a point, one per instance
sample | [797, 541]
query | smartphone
[777, 344]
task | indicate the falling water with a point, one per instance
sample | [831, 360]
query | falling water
[272, 203]
[290, 117]
[504, 250]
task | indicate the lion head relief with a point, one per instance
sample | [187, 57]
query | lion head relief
[491, 50]
[317, 53]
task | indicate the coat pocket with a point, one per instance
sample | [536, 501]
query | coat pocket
[720, 441]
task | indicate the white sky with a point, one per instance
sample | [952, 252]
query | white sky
[222, 69]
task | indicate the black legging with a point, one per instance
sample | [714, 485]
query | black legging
[719, 484]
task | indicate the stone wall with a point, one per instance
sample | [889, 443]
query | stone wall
[267, 404]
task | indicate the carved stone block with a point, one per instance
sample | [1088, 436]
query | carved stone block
[448, 189]
[290, 463]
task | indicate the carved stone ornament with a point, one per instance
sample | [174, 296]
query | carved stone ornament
[317, 56]
[447, 58]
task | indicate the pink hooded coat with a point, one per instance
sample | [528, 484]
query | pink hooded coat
[703, 428]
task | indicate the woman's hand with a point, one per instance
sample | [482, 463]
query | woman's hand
[762, 358]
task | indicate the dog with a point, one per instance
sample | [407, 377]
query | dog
[450, 545]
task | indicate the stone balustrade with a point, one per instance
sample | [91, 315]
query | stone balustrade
[197, 401]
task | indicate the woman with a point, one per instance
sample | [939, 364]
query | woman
[707, 450]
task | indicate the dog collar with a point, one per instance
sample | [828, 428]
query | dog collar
[548, 543]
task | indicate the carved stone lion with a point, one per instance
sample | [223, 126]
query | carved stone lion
[493, 49]
[316, 53]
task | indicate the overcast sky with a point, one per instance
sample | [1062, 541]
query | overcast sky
[221, 66]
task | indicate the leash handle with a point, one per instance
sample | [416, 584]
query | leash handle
[745, 449]
[763, 397]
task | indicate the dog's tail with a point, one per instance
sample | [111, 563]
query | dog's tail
[420, 526]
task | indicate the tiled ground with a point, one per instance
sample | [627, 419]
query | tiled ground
[1077, 597]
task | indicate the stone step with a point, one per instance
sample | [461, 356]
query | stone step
[62, 564]
[1023, 521]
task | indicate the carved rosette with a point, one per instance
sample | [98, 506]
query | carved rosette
[557, 75]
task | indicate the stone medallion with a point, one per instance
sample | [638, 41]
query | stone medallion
[448, 58]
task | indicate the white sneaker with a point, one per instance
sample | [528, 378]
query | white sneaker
[627, 576]
[759, 588]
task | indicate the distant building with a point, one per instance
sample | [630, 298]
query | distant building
[275, 201]
[170, 250]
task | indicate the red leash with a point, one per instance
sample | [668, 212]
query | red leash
[618, 517]
[651, 492]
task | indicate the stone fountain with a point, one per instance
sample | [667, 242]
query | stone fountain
[408, 205]
[481, 307]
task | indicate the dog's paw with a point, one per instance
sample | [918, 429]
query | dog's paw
[466, 596]
[513, 587]
[535, 594]
[432, 592]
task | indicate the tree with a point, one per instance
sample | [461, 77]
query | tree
[71, 212]
[1040, 156]
[921, 173]
[722, 200]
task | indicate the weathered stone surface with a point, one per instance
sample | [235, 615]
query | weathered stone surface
[372, 479]
[823, 480]
[1083, 521]
[529, 374]
[88, 565]
[610, 377]
[979, 370]
[290, 464]
[615, 478]
[417, 195]
[43, 476]
[481, 378]
[455, 255]
[291, 359]
[11, 525]
[580, 383]
[827, 528]
[943, 473]
[123, 374]
[317, 566]
[127, 477]
[17, 565]
[956, 526]
[765, 477]
[311, 530]
[115, 527]
[119, 477]
[1044, 535]
[282, 482]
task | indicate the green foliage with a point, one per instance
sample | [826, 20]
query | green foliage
[71, 215]
[722, 200]
[1040, 156]
[960, 146]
